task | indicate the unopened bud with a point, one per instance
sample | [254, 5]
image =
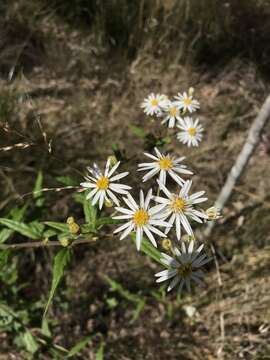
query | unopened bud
[191, 91]
[188, 238]
[113, 160]
[74, 228]
[166, 244]
[108, 203]
[213, 213]
[70, 220]
[64, 242]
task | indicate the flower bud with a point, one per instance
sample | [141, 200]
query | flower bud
[64, 242]
[108, 203]
[113, 160]
[166, 244]
[213, 213]
[70, 220]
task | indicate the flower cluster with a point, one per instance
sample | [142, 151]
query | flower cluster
[174, 113]
[164, 210]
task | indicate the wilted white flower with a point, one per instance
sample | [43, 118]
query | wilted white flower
[154, 104]
[184, 267]
[186, 102]
[180, 208]
[141, 219]
[171, 114]
[164, 164]
[213, 213]
[103, 185]
[191, 133]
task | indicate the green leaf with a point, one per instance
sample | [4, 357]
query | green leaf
[24, 229]
[4, 254]
[149, 249]
[138, 131]
[15, 214]
[76, 349]
[38, 185]
[106, 221]
[30, 342]
[115, 286]
[5, 234]
[57, 225]
[67, 180]
[61, 260]
[100, 353]
[37, 192]
[90, 213]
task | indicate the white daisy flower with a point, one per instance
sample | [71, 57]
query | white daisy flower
[103, 185]
[164, 164]
[180, 207]
[184, 267]
[141, 219]
[171, 114]
[154, 104]
[186, 102]
[191, 133]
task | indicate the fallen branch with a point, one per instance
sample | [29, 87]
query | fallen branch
[242, 160]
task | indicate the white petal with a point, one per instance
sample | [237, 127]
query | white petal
[119, 176]
[127, 232]
[113, 169]
[150, 236]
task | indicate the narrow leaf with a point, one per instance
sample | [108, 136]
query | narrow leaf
[90, 213]
[57, 225]
[76, 349]
[100, 353]
[21, 228]
[60, 262]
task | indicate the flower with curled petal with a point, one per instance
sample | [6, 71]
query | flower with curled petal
[183, 267]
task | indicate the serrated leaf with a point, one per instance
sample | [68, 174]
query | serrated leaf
[22, 228]
[61, 260]
[57, 225]
[76, 349]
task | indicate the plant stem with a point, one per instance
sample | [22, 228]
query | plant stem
[43, 243]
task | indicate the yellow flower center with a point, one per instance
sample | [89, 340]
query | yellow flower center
[187, 101]
[178, 204]
[185, 270]
[140, 217]
[102, 183]
[192, 131]
[165, 164]
[173, 111]
[154, 102]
